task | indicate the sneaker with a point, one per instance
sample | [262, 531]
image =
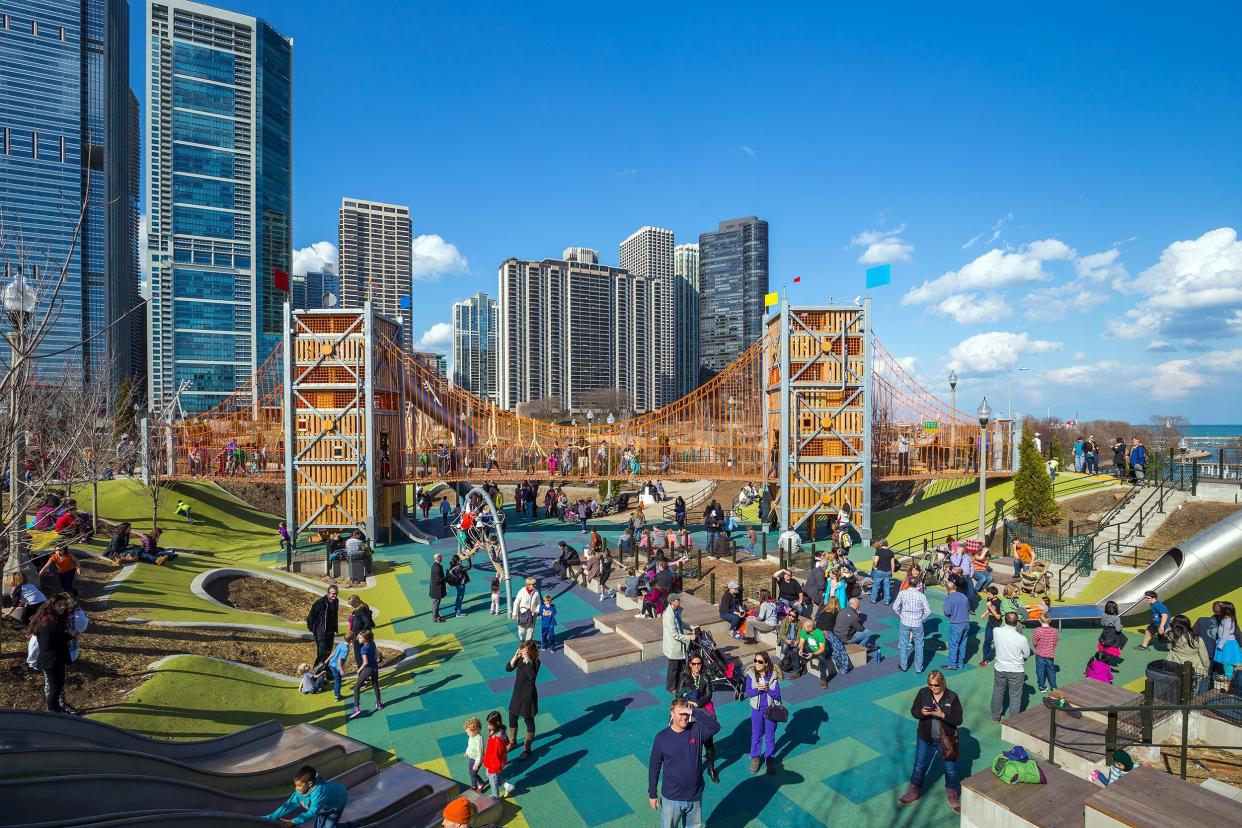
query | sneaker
[458, 614]
[823, 684]
[379, 705]
[755, 764]
[506, 789]
[1140, 647]
[640, 615]
[160, 562]
[601, 596]
[339, 698]
[357, 712]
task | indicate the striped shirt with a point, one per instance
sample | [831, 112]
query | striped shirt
[1045, 640]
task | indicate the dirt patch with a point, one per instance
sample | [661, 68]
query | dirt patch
[265, 495]
[1085, 511]
[1182, 524]
[254, 594]
[115, 654]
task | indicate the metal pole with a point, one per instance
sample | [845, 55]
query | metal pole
[783, 455]
[953, 422]
[983, 482]
[864, 524]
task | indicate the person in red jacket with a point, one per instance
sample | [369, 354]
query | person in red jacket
[496, 754]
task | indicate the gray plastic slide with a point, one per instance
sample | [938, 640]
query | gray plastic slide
[32, 728]
[399, 795]
[1178, 569]
[260, 765]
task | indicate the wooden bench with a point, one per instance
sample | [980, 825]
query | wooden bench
[1091, 693]
[987, 801]
[705, 615]
[645, 633]
[608, 622]
[1080, 742]
[594, 653]
[1148, 798]
[857, 655]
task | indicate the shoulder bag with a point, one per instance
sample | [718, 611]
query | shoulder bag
[777, 712]
[948, 742]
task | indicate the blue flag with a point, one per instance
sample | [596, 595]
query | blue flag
[879, 275]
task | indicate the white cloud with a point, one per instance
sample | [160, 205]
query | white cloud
[313, 259]
[967, 309]
[437, 338]
[993, 270]
[995, 235]
[1176, 378]
[1079, 356]
[909, 363]
[1080, 374]
[1160, 346]
[995, 352]
[432, 257]
[748, 150]
[883, 246]
[1102, 267]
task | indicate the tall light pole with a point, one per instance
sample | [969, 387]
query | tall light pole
[19, 301]
[985, 416]
[953, 421]
[1010, 409]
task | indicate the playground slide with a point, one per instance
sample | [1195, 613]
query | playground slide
[237, 771]
[1178, 569]
[399, 795]
[1183, 566]
[426, 402]
[32, 728]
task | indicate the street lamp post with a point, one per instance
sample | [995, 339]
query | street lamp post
[19, 301]
[953, 421]
[985, 416]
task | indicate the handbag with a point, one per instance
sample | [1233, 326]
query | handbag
[777, 712]
[948, 743]
[525, 618]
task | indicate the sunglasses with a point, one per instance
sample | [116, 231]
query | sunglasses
[682, 715]
[933, 684]
[760, 661]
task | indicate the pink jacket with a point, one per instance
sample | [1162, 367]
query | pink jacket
[1100, 671]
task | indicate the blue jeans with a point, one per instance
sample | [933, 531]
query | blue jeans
[981, 578]
[461, 594]
[675, 814]
[712, 534]
[907, 637]
[1045, 673]
[881, 581]
[865, 639]
[989, 651]
[336, 680]
[548, 637]
[924, 752]
[958, 634]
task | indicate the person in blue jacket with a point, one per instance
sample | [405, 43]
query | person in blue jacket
[1138, 460]
[313, 802]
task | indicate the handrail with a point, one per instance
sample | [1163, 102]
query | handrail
[1164, 484]
[694, 500]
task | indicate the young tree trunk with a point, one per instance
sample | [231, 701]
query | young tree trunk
[94, 507]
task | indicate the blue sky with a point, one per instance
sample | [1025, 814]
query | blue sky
[1056, 186]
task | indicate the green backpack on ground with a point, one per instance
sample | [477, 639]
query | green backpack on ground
[1012, 772]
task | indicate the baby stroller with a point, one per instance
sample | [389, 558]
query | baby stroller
[716, 667]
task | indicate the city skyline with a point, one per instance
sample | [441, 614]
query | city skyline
[1039, 248]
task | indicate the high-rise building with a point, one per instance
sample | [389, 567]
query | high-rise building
[475, 345]
[375, 258]
[219, 126]
[733, 278]
[648, 253]
[68, 150]
[433, 361]
[585, 255]
[571, 327]
[309, 290]
[686, 318]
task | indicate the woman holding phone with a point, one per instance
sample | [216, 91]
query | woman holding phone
[939, 713]
[763, 689]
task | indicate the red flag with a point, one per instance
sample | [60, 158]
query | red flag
[797, 279]
[280, 279]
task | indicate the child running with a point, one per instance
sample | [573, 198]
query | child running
[496, 755]
[474, 751]
[368, 668]
[1045, 640]
[547, 624]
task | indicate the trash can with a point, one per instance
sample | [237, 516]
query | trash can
[357, 569]
[1166, 679]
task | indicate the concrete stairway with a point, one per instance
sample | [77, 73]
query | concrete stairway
[1126, 526]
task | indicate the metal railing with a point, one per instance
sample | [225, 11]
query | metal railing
[695, 499]
[1151, 503]
[1133, 725]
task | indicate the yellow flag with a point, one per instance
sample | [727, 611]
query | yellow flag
[770, 299]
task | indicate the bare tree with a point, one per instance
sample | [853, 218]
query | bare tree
[1168, 429]
[155, 459]
[604, 401]
[94, 455]
[549, 409]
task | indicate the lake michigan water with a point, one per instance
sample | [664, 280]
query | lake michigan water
[1211, 436]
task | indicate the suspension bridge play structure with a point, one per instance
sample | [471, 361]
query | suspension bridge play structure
[815, 413]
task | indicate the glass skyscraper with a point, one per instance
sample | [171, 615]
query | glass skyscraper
[68, 148]
[686, 318]
[733, 277]
[475, 345]
[219, 121]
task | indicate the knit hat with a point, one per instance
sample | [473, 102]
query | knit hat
[1120, 756]
[460, 810]
[676, 596]
[732, 584]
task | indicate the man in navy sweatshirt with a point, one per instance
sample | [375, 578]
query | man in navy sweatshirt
[678, 749]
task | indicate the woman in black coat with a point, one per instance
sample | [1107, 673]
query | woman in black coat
[437, 590]
[51, 628]
[939, 713]
[361, 619]
[524, 703]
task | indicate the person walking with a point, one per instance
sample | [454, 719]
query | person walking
[696, 688]
[912, 609]
[458, 576]
[50, 628]
[990, 609]
[1044, 641]
[939, 714]
[957, 610]
[525, 610]
[65, 565]
[763, 688]
[677, 752]
[446, 513]
[1159, 619]
[524, 701]
[883, 567]
[368, 670]
[322, 621]
[676, 642]
[437, 589]
[1009, 671]
[360, 618]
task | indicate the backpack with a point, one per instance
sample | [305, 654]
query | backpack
[1011, 772]
[790, 661]
[453, 577]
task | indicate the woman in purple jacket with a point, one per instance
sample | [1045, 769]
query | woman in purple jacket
[763, 686]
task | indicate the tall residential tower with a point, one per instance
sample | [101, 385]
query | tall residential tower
[733, 278]
[648, 254]
[475, 345]
[686, 318]
[375, 258]
[219, 123]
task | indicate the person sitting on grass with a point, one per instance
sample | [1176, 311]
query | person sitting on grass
[317, 802]
[150, 552]
[71, 524]
[312, 681]
[183, 510]
[119, 550]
